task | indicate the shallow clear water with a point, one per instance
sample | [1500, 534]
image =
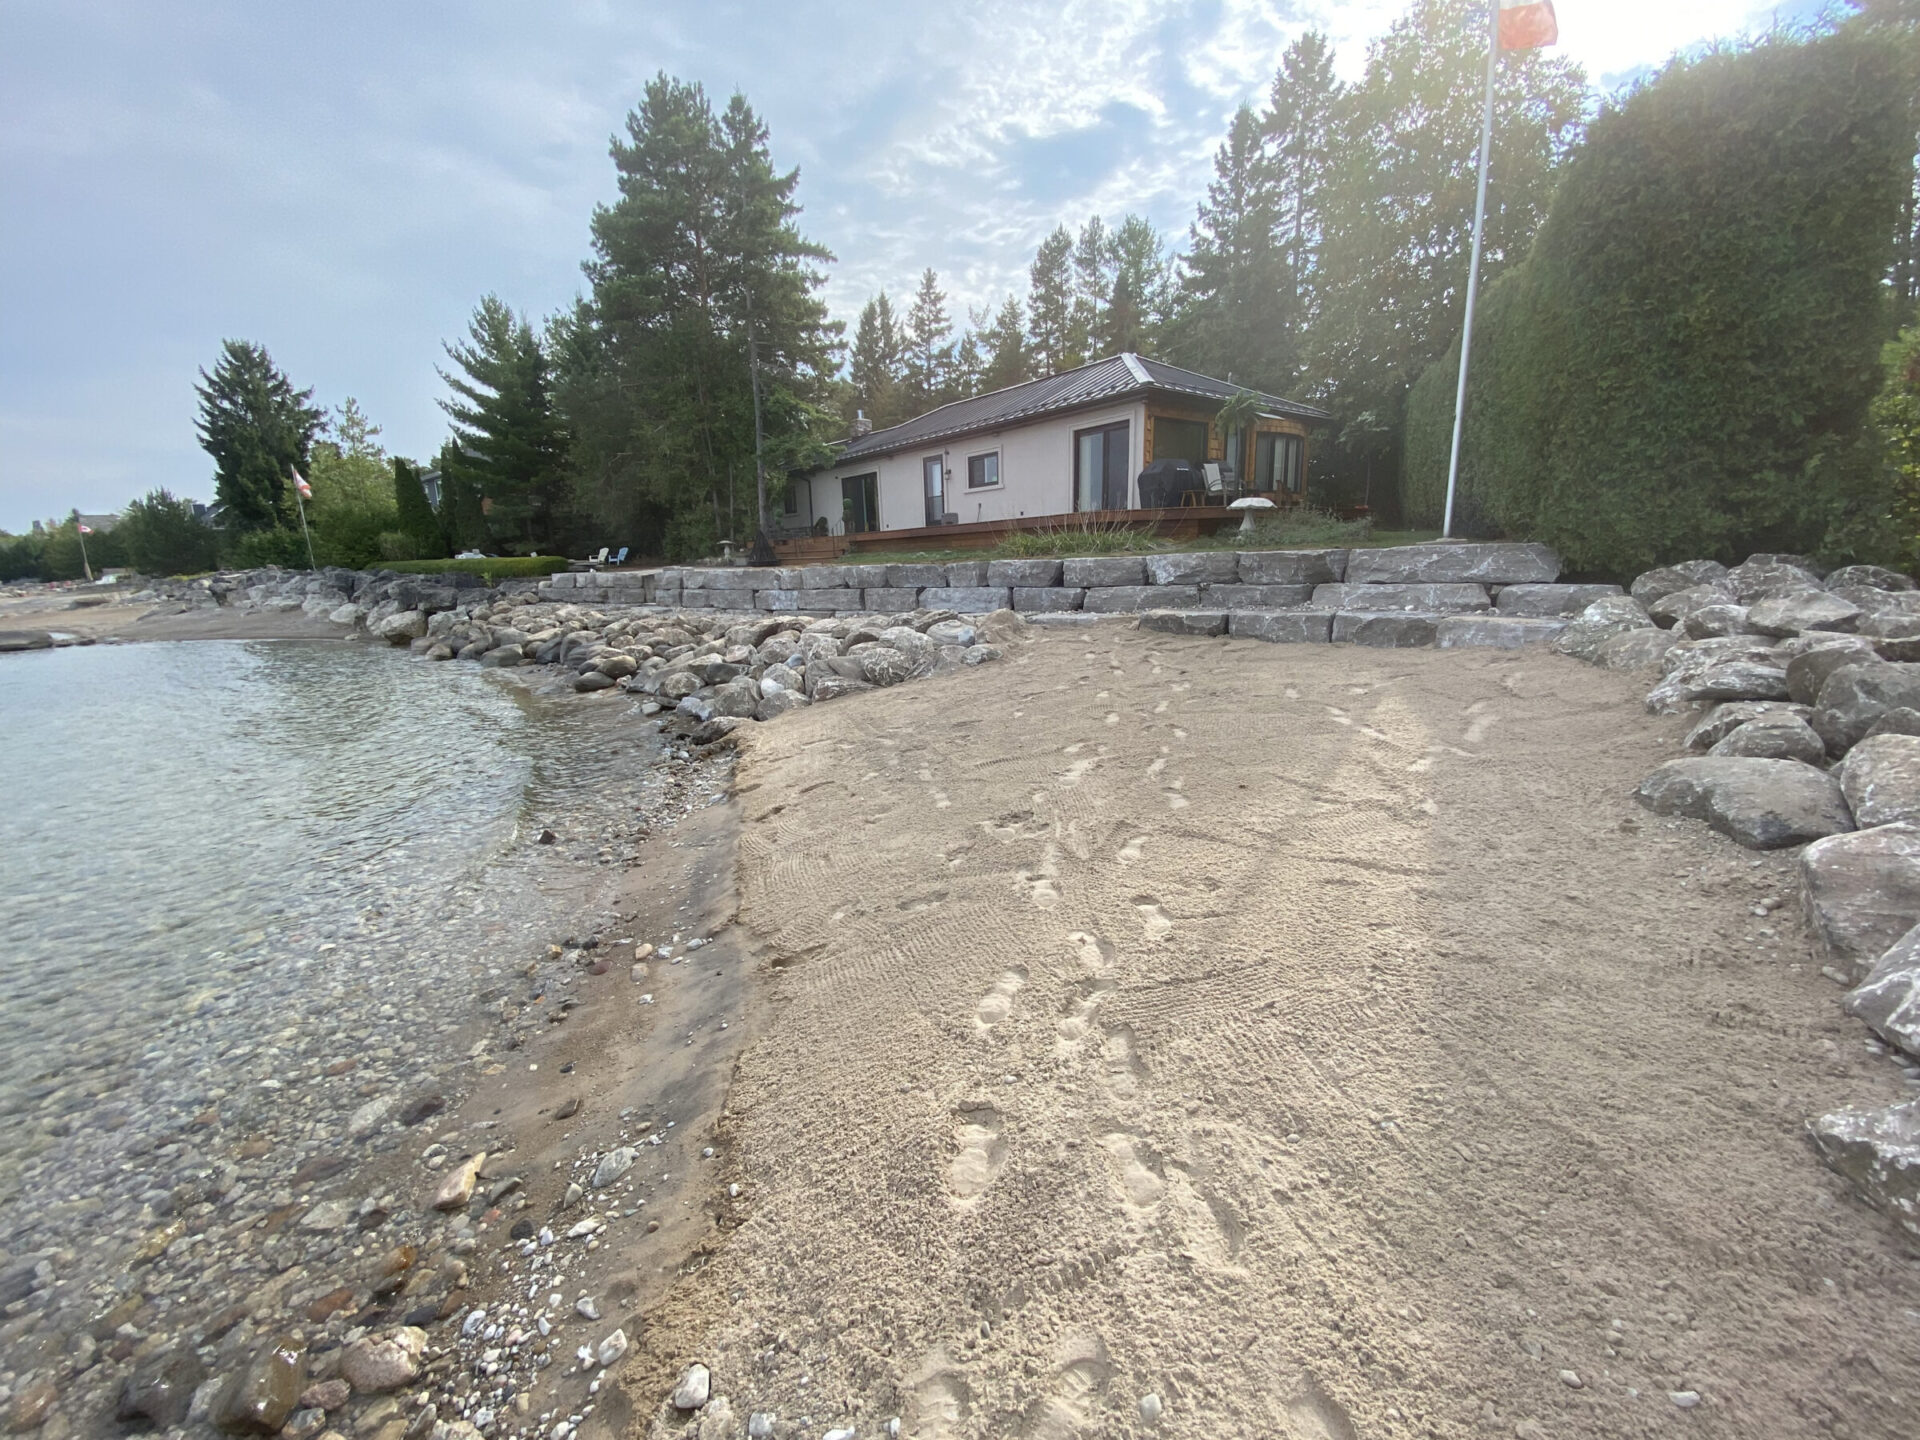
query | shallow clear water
[218, 825]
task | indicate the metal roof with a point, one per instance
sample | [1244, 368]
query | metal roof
[1115, 377]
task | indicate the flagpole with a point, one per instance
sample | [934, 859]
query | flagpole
[312, 564]
[1473, 266]
[80, 534]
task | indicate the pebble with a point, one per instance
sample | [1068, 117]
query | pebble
[760, 1424]
[1685, 1399]
[613, 1165]
[457, 1188]
[588, 1309]
[1570, 1379]
[843, 1433]
[694, 1387]
[1150, 1408]
[612, 1348]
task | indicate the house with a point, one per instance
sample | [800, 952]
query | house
[1071, 444]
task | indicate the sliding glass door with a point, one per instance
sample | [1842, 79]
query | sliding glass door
[1100, 467]
[934, 471]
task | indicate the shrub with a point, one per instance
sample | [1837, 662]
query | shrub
[164, 536]
[257, 549]
[493, 569]
[1683, 365]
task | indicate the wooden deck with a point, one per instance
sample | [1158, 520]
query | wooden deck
[1178, 524]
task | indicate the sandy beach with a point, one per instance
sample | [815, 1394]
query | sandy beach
[1205, 1038]
[112, 617]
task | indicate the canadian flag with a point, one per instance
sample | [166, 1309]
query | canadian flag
[1527, 24]
[300, 484]
[84, 529]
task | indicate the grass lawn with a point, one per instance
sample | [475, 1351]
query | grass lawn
[1311, 530]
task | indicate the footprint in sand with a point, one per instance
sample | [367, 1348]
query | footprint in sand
[940, 800]
[997, 1003]
[1161, 708]
[1481, 718]
[1157, 766]
[1129, 853]
[1080, 1374]
[940, 1404]
[1095, 952]
[1154, 1190]
[1077, 1024]
[979, 1151]
[1153, 917]
[1136, 1170]
[1313, 1414]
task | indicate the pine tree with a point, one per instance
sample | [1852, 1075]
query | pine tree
[968, 363]
[508, 443]
[1007, 360]
[1300, 132]
[929, 354]
[1093, 264]
[1137, 299]
[258, 429]
[700, 248]
[877, 368]
[1050, 306]
[1237, 317]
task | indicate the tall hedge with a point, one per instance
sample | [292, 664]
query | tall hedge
[1683, 365]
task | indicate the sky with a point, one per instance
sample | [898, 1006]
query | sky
[343, 182]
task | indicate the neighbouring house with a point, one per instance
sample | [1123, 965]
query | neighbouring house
[1071, 444]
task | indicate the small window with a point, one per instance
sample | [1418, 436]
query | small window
[983, 471]
[793, 499]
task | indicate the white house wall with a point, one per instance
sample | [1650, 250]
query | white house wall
[1036, 471]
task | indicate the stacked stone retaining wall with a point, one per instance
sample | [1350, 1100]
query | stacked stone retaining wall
[1444, 593]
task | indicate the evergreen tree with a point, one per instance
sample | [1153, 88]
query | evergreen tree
[1237, 316]
[1007, 360]
[1137, 298]
[929, 355]
[258, 429]
[700, 250]
[1093, 263]
[509, 444]
[166, 536]
[417, 520]
[1050, 306]
[1300, 133]
[877, 369]
[968, 364]
[1397, 208]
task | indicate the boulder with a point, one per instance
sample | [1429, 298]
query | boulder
[967, 600]
[1808, 670]
[740, 697]
[1254, 597]
[678, 684]
[1674, 608]
[1723, 720]
[1898, 721]
[1047, 599]
[1711, 621]
[593, 680]
[1295, 627]
[915, 577]
[1128, 599]
[775, 702]
[1220, 567]
[1781, 738]
[1292, 567]
[616, 665]
[981, 654]
[399, 628]
[1873, 577]
[1423, 599]
[707, 732]
[373, 1367]
[882, 665]
[779, 677]
[1761, 804]
[1854, 696]
[831, 687]
[1454, 562]
[1801, 611]
[1543, 600]
[1496, 632]
[1599, 623]
[1692, 656]
[1086, 571]
[1630, 649]
[1878, 1153]
[1667, 580]
[969, 574]
[1005, 574]
[503, 657]
[1881, 780]
[261, 1394]
[950, 632]
[1889, 998]
[1185, 622]
[1893, 635]
[1387, 629]
[1862, 893]
[1727, 680]
[908, 641]
[1763, 577]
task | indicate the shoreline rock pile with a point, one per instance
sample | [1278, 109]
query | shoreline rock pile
[1807, 690]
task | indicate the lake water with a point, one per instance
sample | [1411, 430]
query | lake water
[228, 862]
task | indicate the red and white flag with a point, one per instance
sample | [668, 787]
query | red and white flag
[84, 529]
[300, 484]
[1527, 24]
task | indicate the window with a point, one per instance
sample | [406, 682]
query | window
[934, 470]
[1277, 463]
[792, 506]
[1179, 439]
[1100, 467]
[983, 471]
[860, 503]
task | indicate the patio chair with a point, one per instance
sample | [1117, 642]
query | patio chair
[620, 558]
